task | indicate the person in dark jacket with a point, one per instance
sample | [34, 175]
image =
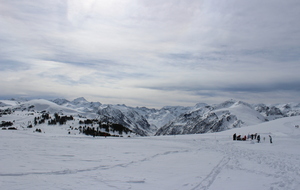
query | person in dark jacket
[258, 138]
[270, 139]
[234, 136]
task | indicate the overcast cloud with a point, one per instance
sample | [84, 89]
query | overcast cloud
[149, 52]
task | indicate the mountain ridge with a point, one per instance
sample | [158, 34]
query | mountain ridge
[169, 120]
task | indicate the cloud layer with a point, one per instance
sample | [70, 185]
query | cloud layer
[151, 53]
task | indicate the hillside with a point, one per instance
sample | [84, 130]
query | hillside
[44, 116]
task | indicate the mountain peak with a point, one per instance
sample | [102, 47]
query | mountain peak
[79, 100]
[60, 101]
[225, 104]
[200, 105]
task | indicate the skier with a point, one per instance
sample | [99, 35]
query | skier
[270, 139]
[234, 136]
[258, 138]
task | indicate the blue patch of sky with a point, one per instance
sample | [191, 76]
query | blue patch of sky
[29, 96]
[168, 87]
[253, 88]
[179, 56]
[66, 80]
[274, 54]
[120, 75]
[208, 56]
[205, 93]
[12, 65]
[37, 8]
[272, 87]
[288, 54]
[204, 59]
[79, 60]
[103, 67]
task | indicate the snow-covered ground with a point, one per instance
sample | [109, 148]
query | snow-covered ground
[202, 162]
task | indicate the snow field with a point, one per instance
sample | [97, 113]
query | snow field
[200, 162]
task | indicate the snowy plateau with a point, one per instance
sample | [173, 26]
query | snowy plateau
[43, 146]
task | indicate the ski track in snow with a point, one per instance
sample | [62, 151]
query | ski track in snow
[282, 168]
[101, 167]
[285, 169]
[210, 178]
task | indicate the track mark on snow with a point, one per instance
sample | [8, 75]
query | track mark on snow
[101, 167]
[210, 178]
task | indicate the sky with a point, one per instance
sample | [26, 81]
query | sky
[151, 53]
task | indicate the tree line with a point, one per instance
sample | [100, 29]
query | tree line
[93, 127]
[62, 120]
[99, 128]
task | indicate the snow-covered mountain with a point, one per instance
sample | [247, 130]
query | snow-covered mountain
[169, 120]
[276, 111]
[61, 101]
[227, 115]
[160, 117]
[127, 117]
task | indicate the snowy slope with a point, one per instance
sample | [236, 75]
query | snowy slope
[243, 112]
[82, 105]
[8, 103]
[186, 162]
[40, 105]
[227, 115]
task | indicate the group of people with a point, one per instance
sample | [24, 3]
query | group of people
[252, 137]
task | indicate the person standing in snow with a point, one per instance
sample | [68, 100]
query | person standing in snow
[258, 138]
[234, 136]
[244, 138]
[270, 139]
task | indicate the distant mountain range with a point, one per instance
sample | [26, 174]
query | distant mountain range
[169, 120]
